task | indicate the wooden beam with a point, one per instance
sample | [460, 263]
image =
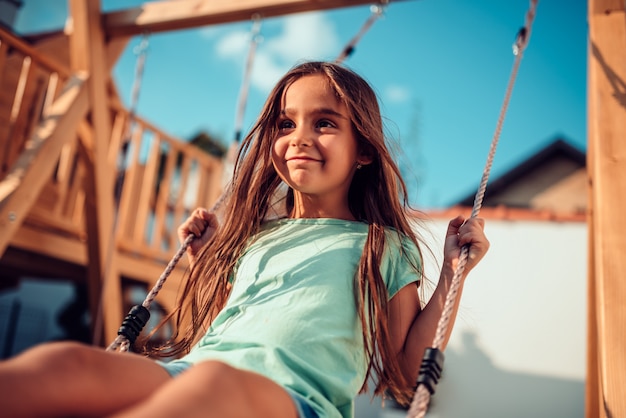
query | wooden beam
[88, 52]
[33, 168]
[184, 14]
[606, 360]
[49, 63]
[46, 253]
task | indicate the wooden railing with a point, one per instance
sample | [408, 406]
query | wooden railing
[163, 177]
[29, 82]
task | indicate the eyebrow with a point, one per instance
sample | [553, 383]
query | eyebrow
[318, 111]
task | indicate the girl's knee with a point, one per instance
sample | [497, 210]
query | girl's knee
[62, 356]
[217, 373]
[220, 381]
[231, 392]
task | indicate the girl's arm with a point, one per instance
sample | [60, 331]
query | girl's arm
[412, 329]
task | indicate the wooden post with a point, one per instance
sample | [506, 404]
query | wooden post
[88, 52]
[606, 358]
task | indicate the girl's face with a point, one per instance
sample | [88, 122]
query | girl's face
[315, 151]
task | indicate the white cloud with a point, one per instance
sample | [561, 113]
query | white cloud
[305, 36]
[396, 94]
[266, 72]
[299, 37]
[233, 45]
[210, 32]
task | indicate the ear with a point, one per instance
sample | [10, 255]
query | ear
[364, 158]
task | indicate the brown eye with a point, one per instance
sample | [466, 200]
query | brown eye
[285, 124]
[324, 123]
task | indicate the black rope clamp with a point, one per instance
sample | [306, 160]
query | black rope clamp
[348, 51]
[430, 369]
[134, 322]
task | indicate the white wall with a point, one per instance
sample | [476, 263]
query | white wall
[518, 345]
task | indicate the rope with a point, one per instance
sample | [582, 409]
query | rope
[122, 341]
[425, 388]
[138, 316]
[255, 39]
[377, 11]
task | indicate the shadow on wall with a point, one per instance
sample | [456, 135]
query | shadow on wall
[473, 387]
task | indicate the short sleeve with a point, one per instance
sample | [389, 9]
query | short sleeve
[402, 264]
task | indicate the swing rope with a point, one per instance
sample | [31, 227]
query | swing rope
[138, 316]
[377, 11]
[255, 39]
[432, 363]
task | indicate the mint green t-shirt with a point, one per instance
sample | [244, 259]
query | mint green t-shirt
[291, 315]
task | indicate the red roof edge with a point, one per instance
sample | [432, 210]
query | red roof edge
[505, 213]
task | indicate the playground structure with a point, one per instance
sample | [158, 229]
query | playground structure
[63, 127]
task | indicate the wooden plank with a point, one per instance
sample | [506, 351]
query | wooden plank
[89, 52]
[33, 263]
[4, 48]
[117, 137]
[146, 194]
[180, 206]
[152, 17]
[607, 170]
[145, 270]
[202, 173]
[64, 175]
[14, 141]
[129, 182]
[51, 91]
[42, 59]
[19, 113]
[216, 188]
[162, 200]
[20, 188]
[50, 244]
[74, 207]
[37, 102]
[605, 6]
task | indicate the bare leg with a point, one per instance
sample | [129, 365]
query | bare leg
[215, 390]
[71, 379]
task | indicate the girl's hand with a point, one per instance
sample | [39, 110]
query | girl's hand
[461, 232]
[202, 225]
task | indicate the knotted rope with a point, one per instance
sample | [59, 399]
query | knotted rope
[139, 315]
[432, 363]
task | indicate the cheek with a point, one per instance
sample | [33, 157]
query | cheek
[278, 153]
[279, 147]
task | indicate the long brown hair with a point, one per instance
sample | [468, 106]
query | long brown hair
[377, 196]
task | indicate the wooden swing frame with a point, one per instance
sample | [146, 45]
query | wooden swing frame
[96, 42]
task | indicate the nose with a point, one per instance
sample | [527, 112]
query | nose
[301, 137]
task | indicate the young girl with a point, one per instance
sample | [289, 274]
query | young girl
[304, 291]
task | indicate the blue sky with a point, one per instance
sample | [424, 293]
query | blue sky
[440, 68]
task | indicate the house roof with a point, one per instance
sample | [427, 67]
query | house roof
[554, 178]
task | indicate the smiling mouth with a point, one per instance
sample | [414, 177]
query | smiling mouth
[302, 159]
